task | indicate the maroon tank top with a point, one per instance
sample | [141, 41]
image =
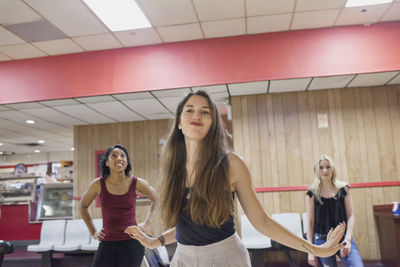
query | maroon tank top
[118, 211]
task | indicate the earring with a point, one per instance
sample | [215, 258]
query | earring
[180, 127]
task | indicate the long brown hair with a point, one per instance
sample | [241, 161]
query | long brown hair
[210, 201]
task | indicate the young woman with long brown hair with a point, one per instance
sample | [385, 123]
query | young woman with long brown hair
[201, 178]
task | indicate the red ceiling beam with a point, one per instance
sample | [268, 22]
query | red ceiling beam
[282, 55]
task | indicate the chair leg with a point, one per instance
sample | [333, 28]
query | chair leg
[1, 258]
[47, 259]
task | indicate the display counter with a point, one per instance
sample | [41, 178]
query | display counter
[19, 189]
[55, 201]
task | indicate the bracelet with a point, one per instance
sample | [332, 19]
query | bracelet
[162, 239]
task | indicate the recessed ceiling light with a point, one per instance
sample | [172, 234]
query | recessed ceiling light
[37, 151]
[119, 15]
[40, 141]
[72, 148]
[1, 144]
[30, 121]
[1, 152]
[352, 3]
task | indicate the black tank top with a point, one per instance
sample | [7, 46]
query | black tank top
[190, 233]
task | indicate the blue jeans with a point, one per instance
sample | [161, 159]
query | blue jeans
[353, 259]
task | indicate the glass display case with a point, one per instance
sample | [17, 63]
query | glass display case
[19, 189]
[55, 201]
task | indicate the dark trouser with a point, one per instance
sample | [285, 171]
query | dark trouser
[125, 253]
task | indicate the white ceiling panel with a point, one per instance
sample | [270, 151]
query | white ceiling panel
[27, 105]
[16, 11]
[251, 88]
[314, 19]
[95, 99]
[138, 37]
[223, 28]
[116, 110]
[210, 89]
[53, 115]
[178, 33]
[307, 5]
[59, 102]
[393, 13]
[58, 47]
[72, 17]
[8, 38]
[171, 102]
[98, 42]
[84, 113]
[355, 15]
[330, 82]
[4, 57]
[372, 79]
[395, 80]
[180, 92]
[146, 107]
[131, 96]
[269, 23]
[291, 85]
[171, 12]
[219, 9]
[160, 116]
[21, 51]
[3, 108]
[256, 7]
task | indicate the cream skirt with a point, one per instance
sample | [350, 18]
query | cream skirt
[229, 252]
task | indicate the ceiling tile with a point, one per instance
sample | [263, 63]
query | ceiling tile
[180, 32]
[21, 51]
[269, 23]
[82, 22]
[223, 28]
[59, 102]
[372, 79]
[289, 85]
[330, 82]
[395, 80]
[138, 37]
[171, 12]
[393, 13]
[16, 11]
[95, 99]
[4, 57]
[219, 9]
[171, 102]
[146, 106]
[98, 42]
[116, 110]
[160, 116]
[84, 113]
[314, 19]
[58, 47]
[210, 89]
[36, 31]
[256, 7]
[3, 107]
[354, 15]
[132, 96]
[53, 115]
[307, 5]
[250, 88]
[27, 105]
[179, 92]
[8, 38]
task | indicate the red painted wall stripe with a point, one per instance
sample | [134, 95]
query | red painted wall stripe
[271, 56]
[305, 187]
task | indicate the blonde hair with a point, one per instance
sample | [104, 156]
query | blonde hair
[316, 186]
[211, 201]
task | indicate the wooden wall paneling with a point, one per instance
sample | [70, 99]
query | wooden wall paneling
[372, 245]
[294, 156]
[394, 110]
[281, 152]
[321, 102]
[384, 134]
[237, 125]
[351, 134]
[254, 143]
[306, 142]
[139, 149]
[314, 125]
[274, 197]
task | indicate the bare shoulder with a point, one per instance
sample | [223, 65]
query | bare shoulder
[238, 170]
[95, 185]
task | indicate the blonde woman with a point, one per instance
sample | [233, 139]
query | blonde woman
[328, 203]
[201, 180]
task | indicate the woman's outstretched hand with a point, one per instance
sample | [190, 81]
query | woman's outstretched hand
[331, 246]
[136, 233]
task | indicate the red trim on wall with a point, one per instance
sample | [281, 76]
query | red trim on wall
[305, 187]
[27, 165]
[270, 56]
